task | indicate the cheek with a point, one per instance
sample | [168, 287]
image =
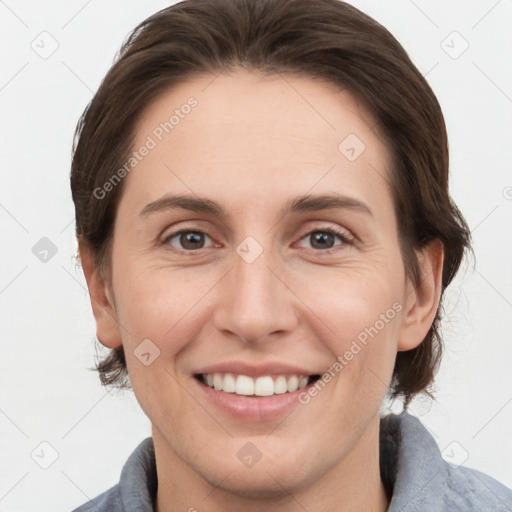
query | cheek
[161, 304]
[157, 311]
[359, 314]
[352, 302]
[357, 320]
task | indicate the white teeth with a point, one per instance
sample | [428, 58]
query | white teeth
[264, 386]
[229, 383]
[303, 382]
[293, 384]
[280, 385]
[244, 385]
[261, 386]
[217, 381]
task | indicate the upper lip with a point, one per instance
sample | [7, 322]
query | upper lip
[256, 370]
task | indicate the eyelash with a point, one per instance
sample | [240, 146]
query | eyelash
[342, 236]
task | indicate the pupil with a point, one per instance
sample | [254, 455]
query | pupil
[191, 239]
[322, 237]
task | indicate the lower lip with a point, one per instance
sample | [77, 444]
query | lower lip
[252, 408]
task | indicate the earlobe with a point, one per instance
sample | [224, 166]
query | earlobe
[422, 301]
[107, 328]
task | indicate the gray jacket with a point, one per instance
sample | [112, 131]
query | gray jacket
[412, 469]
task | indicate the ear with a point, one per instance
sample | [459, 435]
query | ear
[107, 328]
[422, 301]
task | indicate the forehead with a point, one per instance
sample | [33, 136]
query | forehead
[252, 132]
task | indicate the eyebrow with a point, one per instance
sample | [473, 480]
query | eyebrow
[305, 203]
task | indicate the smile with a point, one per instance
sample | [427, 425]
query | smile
[266, 385]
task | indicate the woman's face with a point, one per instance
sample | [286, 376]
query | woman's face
[267, 284]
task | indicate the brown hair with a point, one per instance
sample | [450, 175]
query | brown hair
[325, 39]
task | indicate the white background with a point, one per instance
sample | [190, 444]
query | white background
[47, 393]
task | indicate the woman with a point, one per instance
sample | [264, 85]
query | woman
[265, 226]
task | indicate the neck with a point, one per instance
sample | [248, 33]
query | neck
[353, 485]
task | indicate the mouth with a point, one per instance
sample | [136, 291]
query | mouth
[259, 391]
[261, 386]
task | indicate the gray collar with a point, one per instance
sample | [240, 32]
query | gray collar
[415, 474]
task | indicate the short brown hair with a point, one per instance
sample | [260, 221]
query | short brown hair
[326, 39]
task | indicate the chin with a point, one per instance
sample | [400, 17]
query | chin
[267, 482]
[270, 477]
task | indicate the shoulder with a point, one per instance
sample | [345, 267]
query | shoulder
[137, 485]
[107, 501]
[469, 489]
[422, 480]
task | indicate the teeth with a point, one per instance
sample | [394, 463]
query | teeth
[229, 384]
[280, 385]
[262, 386]
[293, 384]
[303, 382]
[217, 381]
[244, 385]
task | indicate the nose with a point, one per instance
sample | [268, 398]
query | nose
[255, 303]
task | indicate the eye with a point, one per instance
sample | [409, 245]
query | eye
[324, 238]
[188, 239]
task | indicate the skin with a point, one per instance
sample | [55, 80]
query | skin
[251, 144]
